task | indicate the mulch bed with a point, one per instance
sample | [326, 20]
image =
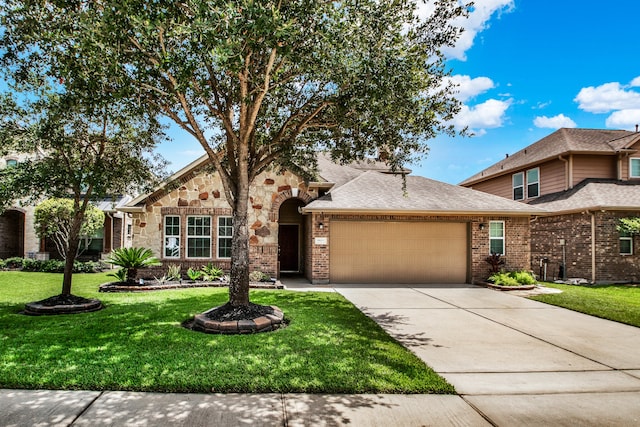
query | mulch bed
[506, 288]
[227, 319]
[151, 285]
[62, 304]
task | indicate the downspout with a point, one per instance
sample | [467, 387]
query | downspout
[566, 172]
[593, 247]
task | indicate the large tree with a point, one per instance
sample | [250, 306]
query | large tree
[260, 84]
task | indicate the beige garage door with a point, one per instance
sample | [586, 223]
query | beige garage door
[398, 252]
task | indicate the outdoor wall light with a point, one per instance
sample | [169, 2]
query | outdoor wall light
[481, 225]
[321, 226]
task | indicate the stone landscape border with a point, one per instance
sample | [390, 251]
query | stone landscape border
[266, 323]
[118, 287]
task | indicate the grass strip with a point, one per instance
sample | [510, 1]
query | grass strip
[620, 303]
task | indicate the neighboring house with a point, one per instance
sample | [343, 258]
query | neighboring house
[587, 179]
[353, 224]
[18, 236]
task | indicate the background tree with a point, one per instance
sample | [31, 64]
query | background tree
[259, 84]
[54, 220]
[80, 148]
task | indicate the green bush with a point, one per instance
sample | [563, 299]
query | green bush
[51, 265]
[514, 278]
[258, 276]
[211, 272]
[194, 274]
[13, 262]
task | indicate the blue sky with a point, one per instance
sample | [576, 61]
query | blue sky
[525, 68]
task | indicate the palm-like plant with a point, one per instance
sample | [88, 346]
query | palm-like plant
[132, 259]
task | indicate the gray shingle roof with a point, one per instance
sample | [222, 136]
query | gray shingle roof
[562, 141]
[593, 194]
[378, 192]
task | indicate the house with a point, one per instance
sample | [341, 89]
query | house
[587, 179]
[18, 236]
[353, 224]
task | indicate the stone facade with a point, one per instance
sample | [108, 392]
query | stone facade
[202, 194]
[606, 265]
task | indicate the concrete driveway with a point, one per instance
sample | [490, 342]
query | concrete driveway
[516, 361]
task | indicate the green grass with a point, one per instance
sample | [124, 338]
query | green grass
[614, 302]
[137, 343]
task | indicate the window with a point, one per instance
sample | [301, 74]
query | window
[12, 163]
[91, 245]
[496, 237]
[171, 236]
[198, 237]
[626, 243]
[129, 231]
[518, 186]
[533, 183]
[634, 168]
[225, 234]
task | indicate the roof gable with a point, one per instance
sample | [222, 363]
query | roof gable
[561, 142]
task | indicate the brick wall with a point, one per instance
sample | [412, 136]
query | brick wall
[576, 230]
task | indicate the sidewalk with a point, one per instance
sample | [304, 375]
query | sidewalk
[513, 362]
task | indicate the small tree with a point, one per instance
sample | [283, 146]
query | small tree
[54, 219]
[81, 146]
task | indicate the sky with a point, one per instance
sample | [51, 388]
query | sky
[525, 68]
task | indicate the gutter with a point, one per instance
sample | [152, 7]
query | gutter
[420, 212]
[132, 209]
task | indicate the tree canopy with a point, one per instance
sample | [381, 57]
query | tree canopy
[259, 84]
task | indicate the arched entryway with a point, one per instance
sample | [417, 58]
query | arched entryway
[12, 234]
[290, 237]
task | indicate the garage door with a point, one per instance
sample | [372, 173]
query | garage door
[398, 252]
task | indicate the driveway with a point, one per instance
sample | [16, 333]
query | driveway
[514, 360]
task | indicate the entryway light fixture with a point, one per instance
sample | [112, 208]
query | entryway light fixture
[481, 225]
[321, 226]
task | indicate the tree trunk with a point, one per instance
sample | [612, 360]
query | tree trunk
[71, 252]
[239, 282]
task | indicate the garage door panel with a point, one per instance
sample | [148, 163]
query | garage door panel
[398, 252]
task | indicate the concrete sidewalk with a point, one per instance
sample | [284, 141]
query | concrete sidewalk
[513, 361]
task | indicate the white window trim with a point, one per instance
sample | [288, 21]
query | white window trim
[504, 232]
[164, 236]
[186, 242]
[513, 186]
[222, 237]
[534, 182]
[630, 240]
[631, 159]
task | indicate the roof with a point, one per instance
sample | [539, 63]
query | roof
[111, 204]
[560, 142]
[593, 194]
[374, 192]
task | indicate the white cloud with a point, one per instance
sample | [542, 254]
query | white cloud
[478, 21]
[555, 122]
[468, 88]
[608, 97]
[635, 82]
[489, 114]
[624, 119]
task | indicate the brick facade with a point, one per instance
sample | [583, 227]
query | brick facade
[576, 230]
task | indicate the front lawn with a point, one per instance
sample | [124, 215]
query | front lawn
[614, 302]
[137, 343]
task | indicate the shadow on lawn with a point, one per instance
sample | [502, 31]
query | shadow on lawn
[329, 346]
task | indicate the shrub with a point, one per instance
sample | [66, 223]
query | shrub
[2, 265]
[173, 272]
[258, 276]
[13, 262]
[495, 261]
[132, 259]
[194, 274]
[211, 272]
[514, 278]
[120, 275]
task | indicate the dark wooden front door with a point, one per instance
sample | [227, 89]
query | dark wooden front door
[288, 238]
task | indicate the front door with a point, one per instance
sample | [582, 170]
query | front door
[288, 240]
